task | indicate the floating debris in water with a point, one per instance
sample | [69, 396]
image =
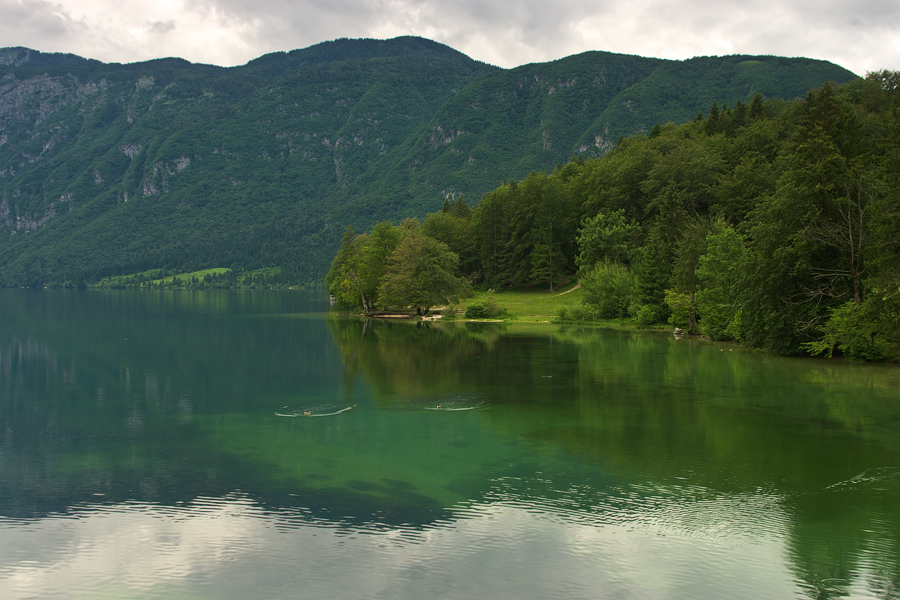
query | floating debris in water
[316, 411]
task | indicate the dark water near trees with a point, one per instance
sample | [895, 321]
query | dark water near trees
[247, 445]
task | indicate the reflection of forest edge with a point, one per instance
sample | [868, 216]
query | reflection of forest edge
[820, 434]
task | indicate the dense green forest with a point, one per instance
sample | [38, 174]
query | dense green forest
[773, 223]
[166, 167]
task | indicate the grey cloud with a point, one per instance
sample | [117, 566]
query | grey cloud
[161, 27]
[34, 19]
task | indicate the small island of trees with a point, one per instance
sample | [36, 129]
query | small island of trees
[773, 223]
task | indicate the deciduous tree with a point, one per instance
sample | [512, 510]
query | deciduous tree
[421, 273]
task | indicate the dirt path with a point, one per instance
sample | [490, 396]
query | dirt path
[577, 285]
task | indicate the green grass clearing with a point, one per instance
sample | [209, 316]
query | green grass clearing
[532, 305]
[159, 276]
[187, 277]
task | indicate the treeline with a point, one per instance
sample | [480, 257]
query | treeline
[776, 224]
[207, 279]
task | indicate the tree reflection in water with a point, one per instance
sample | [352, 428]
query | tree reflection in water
[706, 420]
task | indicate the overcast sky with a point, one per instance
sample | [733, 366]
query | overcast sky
[861, 35]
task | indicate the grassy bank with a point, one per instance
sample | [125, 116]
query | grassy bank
[536, 304]
[539, 305]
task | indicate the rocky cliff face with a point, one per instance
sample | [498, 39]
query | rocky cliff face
[14, 57]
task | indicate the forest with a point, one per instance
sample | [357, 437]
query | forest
[772, 223]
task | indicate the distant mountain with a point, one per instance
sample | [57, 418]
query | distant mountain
[110, 168]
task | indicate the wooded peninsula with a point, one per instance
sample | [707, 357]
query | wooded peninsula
[773, 223]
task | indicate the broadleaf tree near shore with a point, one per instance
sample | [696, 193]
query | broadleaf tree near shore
[395, 267]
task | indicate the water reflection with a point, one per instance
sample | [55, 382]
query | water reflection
[448, 460]
[684, 420]
[231, 547]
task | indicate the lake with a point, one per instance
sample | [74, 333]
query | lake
[246, 444]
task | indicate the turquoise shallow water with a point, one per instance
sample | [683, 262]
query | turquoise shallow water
[254, 445]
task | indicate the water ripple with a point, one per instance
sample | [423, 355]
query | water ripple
[446, 403]
[869, 478]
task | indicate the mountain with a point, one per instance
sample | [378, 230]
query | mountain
[111, 168]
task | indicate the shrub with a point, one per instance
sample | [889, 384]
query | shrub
[578, 312]
[485, 307]
[683, 309]
[585, 312]
[477, 310]
[610, 288]
[642, 315]
[859, 331]
[450, 311]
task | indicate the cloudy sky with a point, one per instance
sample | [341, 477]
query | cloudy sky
[861, 35]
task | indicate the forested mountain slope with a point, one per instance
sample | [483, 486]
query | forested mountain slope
[109, 168]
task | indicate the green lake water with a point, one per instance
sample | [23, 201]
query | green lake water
[222, 445]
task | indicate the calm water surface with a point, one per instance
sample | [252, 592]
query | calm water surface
[250, 445]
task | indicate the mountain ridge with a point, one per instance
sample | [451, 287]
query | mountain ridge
[109, 168]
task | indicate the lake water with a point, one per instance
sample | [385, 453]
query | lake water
[223, 445]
